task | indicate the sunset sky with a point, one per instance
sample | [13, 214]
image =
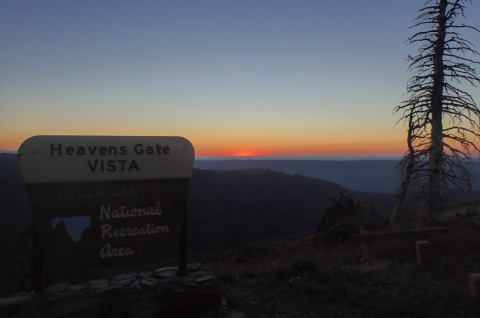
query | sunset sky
[244, 77]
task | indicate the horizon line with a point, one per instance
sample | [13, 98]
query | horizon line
[287, 157]
[303, 157]
[278, 157]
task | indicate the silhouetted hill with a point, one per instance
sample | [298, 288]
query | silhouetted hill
[13, 200]
[227, 208]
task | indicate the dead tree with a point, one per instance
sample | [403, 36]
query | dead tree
[406, 165]
[443, 119]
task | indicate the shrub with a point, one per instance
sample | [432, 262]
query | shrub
[303, 266]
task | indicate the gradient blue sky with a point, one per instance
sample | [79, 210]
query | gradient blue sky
[234, 77]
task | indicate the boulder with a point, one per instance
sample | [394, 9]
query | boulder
[343, 230]
[342, 210]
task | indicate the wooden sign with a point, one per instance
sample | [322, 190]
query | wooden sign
[101, 203]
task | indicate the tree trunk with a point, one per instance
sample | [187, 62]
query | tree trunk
[402, 191]
[435, 161]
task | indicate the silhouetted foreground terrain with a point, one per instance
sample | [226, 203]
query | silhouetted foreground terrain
[300, 276]
[279, 275]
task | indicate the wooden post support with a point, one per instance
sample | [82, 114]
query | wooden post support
[368, 250]
[474, 295]
[38, 268]
[424, 254]
[182, 257]
[367, 247]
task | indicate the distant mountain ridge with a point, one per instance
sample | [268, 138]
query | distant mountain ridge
[224, 208]
[361, 175]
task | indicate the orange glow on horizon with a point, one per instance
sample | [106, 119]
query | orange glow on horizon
[281, 153]
[245, 154]
[221, 148]
[351, 149]
[9, 146]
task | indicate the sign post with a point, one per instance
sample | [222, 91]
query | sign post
[105, 203]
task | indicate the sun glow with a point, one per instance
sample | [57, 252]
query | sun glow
[245, 154]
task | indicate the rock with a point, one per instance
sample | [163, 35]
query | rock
[145, 274]
[188, 278]
[200, 274]
[166, 271]
[205, 278]
[192, 267]
[136, 283]
[424, 254]
[124, 279]
[342, 209]
[168, 280]
[77, 287]
[116, 296]
[14, 301]
[106, 291]
[60, 290]
[208, 281]
[98, 283]
[57, 288]
[122, 276]
[149, 281]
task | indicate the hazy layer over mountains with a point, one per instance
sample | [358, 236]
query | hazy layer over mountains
[362, 175]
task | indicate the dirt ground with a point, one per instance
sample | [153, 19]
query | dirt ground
[312, 279]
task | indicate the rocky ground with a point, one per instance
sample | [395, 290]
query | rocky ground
[300, 276]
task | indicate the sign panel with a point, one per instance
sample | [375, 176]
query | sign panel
[105, 202]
